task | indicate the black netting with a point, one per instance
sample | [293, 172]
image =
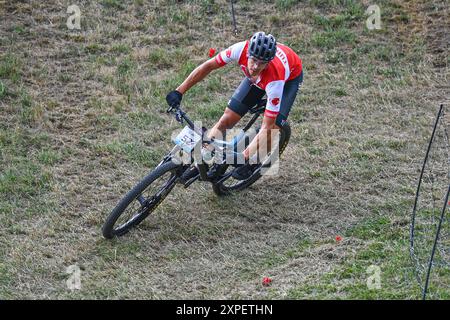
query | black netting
[430, 241]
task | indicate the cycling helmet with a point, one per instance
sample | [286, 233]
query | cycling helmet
[262, 46]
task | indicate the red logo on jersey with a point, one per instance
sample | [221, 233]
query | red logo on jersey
[228, 53]
[275, 101]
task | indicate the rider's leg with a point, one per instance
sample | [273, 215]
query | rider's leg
[290, 91]
[244, 97]
[263, 144]
[227, 121]
[289, 94]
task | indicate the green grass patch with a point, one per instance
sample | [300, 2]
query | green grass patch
[133, 152]
[160, 58]
[160, 88]
[113, 4]
[10, 67]
[21, 142]
[332, 22]
[126, 67]
[3, 90]
[273, 258]
[120, 48]
[353, 7]
[19, 29]
[332, 38]
[335, 56]
[179, 16]
[24, 164]
[93, 48]
[5, 279]
[209, 7]
[29, 112]
[285, 5]
[387, 249]
[25, 179]
[48, 157]
[144, 120]
[211, 111]
[188, 67]
[340, 92]
[369, 228]
[26, 112]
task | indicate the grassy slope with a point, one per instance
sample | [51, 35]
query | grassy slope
[82, 119]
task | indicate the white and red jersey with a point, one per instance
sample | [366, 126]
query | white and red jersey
[286, 66]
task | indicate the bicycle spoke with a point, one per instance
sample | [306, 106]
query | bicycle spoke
[146, 201]
[165, 187]
[129, 221]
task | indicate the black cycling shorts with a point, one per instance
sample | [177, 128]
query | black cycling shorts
[247, 95]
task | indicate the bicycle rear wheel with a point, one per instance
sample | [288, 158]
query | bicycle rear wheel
[142, 200]
[232, 185]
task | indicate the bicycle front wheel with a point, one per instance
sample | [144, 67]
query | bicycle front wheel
[142, 200]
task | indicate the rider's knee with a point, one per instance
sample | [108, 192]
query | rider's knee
[228, 120]
[224, 123]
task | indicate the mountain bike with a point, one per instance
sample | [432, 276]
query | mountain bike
[177, 167]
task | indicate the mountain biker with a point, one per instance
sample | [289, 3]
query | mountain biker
[270, 68]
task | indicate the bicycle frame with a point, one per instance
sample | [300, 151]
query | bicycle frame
[223, 146]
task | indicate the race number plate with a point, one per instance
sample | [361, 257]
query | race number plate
[187, 139]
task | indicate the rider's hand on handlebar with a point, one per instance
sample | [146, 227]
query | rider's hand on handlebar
[174, 98]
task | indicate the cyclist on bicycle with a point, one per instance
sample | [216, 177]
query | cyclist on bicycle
[270, 68]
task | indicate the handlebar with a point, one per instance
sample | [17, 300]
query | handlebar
[219, 145]
[180, 115]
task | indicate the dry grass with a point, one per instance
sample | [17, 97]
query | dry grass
[82, 120]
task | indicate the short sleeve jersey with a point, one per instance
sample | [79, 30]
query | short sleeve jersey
[286, 66]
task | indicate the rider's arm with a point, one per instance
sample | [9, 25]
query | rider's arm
[263, 138]
[198, 74]
[224, 57]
